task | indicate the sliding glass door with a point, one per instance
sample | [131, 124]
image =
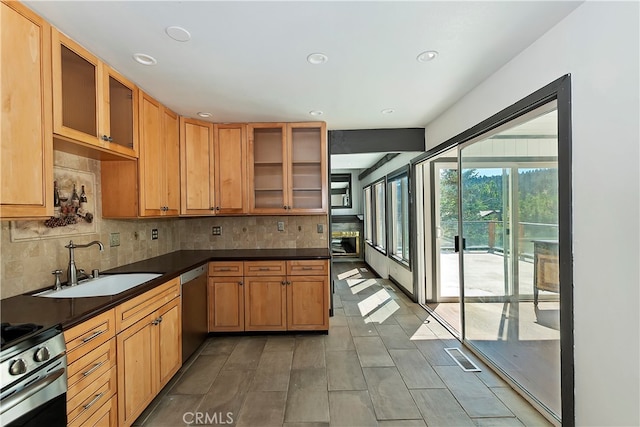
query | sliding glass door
[508, 228]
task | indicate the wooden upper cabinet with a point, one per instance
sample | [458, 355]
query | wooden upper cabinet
[92, 103]
[158, 162]
[288, 168]
[171, 135]
[230, 168]
[196, 167]
[267, 168]
[213, 168]
[26, 144]
[307, 163]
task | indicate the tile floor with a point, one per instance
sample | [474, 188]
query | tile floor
[382, 364]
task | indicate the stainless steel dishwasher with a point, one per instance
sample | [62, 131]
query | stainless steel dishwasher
[194, 310]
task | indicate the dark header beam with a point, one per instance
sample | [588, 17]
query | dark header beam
[376, 140]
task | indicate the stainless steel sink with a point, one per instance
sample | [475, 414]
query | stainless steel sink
[102, 286]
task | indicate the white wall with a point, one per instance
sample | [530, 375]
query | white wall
[383, 265]
[599, 45]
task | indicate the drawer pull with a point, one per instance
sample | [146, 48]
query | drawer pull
[307, 268]
[223, 269]
[93, 401]
[263, 268]
[93, 335]
[93, 369]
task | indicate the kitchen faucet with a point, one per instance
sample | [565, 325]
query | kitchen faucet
[72, 272]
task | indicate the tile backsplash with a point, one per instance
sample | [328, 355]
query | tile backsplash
[27, 265]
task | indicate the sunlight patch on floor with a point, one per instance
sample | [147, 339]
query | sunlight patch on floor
[423, 333]
[361, 285]
[383, 313]
[349, 273]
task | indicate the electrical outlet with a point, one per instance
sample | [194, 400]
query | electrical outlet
[216, 230]
[114, 239]
[280, 226]
[154, 234]
[320, 228]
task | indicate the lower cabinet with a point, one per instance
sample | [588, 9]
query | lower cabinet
[269, 296]
[91, 371]
[149, 348]
[265, 304]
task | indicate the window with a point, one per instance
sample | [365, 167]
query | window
[399, 216]
[368, 216]
[340, 190]
[380, 218]
[375, 224]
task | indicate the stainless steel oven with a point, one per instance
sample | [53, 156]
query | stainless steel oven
[33, 365]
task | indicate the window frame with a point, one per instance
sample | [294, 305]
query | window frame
[373, 210]
[396, 176]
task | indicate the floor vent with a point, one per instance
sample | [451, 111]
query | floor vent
[462, 360]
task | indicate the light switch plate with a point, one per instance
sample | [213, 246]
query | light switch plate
[154, 234]
[216, 230]
[320, 228]
[280, 225]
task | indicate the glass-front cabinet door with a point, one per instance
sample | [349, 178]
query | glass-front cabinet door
[267, 168]
[307, 153]
[119, 113]
[288, 168]
[93, 104]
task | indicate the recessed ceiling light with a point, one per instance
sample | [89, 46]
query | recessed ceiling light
[427, 56]
[178, 33]
[388, 111]
[205, 115]
[144, 59]
[317, 58]
[316, 113]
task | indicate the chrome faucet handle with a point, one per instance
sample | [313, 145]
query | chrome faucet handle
[57, 286]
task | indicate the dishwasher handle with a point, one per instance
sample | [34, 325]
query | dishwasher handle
[192, 274]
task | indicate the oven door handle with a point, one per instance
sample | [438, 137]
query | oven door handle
[32, 389]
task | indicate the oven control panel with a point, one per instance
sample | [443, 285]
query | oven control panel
[30, 357]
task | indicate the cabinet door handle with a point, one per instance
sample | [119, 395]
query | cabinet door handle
[217, 208]
[93, 369]
[284, 283]
[240, 283]
[105, 138]
[92, 336]
[93, 401]
[110, 139]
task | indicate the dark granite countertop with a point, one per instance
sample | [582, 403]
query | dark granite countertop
[71, 311]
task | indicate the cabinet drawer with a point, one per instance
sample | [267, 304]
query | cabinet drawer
[104, 416]
[91, 398]
[87, 336]
[226, 268]
[129, 312]
[85, 370]
[308, 268]
[264, 268]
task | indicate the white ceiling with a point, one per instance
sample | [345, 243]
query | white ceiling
[246, 61]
